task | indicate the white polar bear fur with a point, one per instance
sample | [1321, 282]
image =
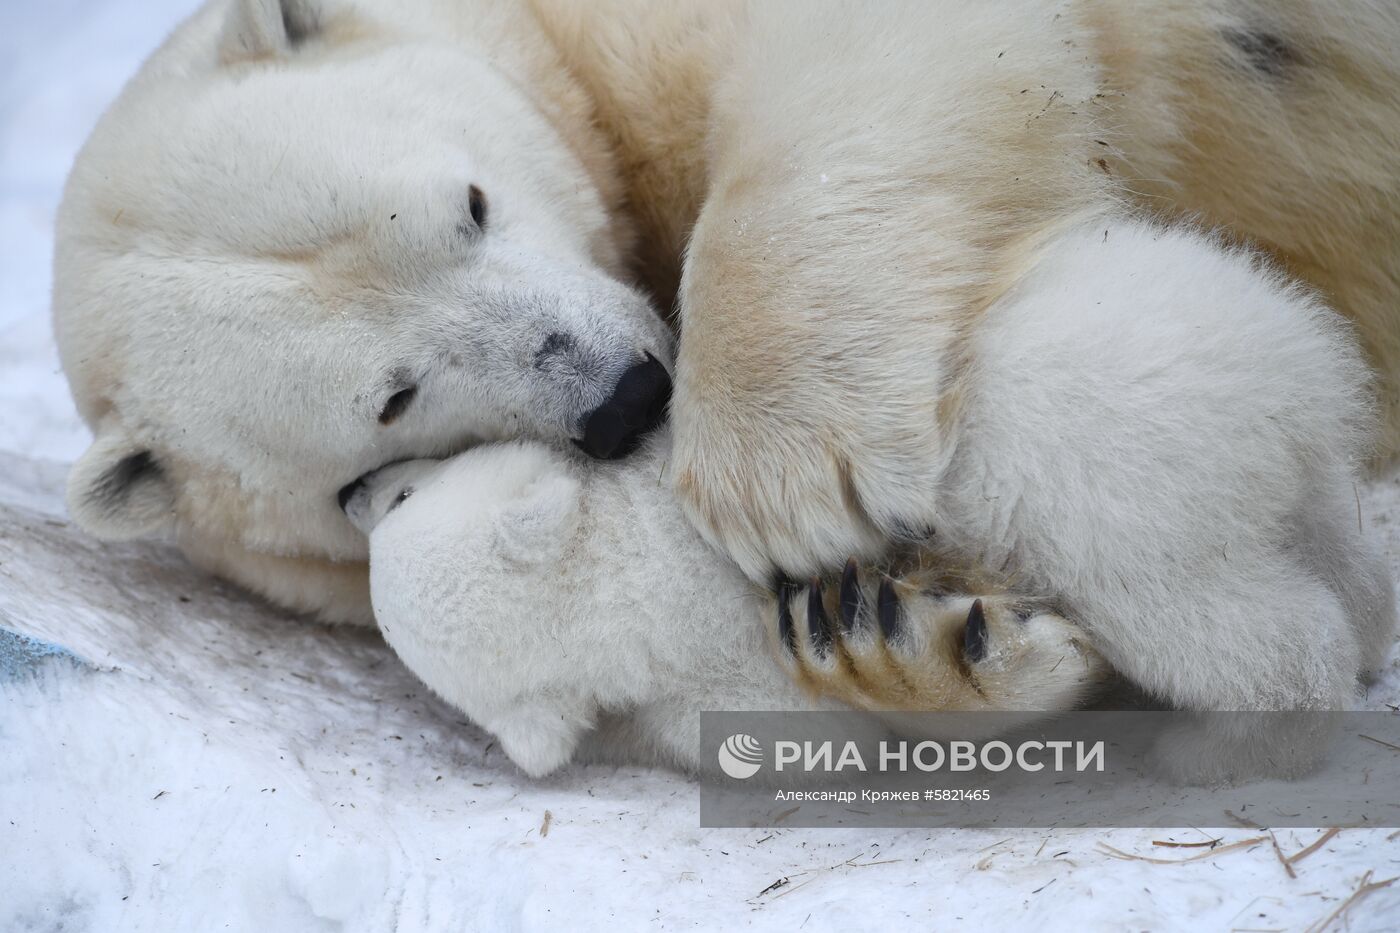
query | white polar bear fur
[211, 310]
[537, 592]
[263, 232]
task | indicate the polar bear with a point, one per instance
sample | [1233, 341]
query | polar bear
[570, 606]
[314, 237]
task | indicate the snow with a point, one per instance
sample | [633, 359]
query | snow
[177, 755]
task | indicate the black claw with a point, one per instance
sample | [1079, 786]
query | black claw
[818, 622]
[785, 631]
[851, 596]
[975, 635]
[887, 609]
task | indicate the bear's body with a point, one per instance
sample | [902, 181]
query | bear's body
[277, 270]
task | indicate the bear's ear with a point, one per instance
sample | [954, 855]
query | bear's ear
[119, 490]
[265, 28]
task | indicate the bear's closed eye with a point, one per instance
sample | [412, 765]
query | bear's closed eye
[396, 404]
[476, 204]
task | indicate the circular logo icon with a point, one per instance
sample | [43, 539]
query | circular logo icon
[740, 756]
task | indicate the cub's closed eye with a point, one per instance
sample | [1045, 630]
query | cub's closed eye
[396, 404]
[399, 499]
[476, 203]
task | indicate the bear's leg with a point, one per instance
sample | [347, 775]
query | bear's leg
[883, 643]
[1163, 434]
[854, 226]
[1271, 637]
[1332, 538]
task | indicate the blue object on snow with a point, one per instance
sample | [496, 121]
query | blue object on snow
[22, 655]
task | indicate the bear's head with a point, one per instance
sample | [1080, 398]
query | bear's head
[307, 242]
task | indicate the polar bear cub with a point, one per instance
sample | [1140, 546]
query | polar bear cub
[548, 596]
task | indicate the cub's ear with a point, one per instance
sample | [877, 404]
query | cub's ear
[119, 490]
[265, 28]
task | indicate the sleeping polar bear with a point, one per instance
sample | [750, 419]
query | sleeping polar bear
[317, 236]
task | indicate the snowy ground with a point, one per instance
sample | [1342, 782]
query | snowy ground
[190, 759]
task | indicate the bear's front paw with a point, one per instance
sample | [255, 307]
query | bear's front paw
[793, 497]
[894, 644]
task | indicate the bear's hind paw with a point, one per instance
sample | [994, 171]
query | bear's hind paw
[897, 645]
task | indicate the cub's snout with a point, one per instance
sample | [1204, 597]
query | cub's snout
[637, 404]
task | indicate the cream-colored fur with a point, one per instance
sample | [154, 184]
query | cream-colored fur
[266, 238]
[1022, 116]
[1281, 122]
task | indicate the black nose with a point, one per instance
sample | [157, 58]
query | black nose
[637, 405]
[347, 491]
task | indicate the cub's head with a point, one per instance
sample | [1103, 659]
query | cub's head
[309, 240]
